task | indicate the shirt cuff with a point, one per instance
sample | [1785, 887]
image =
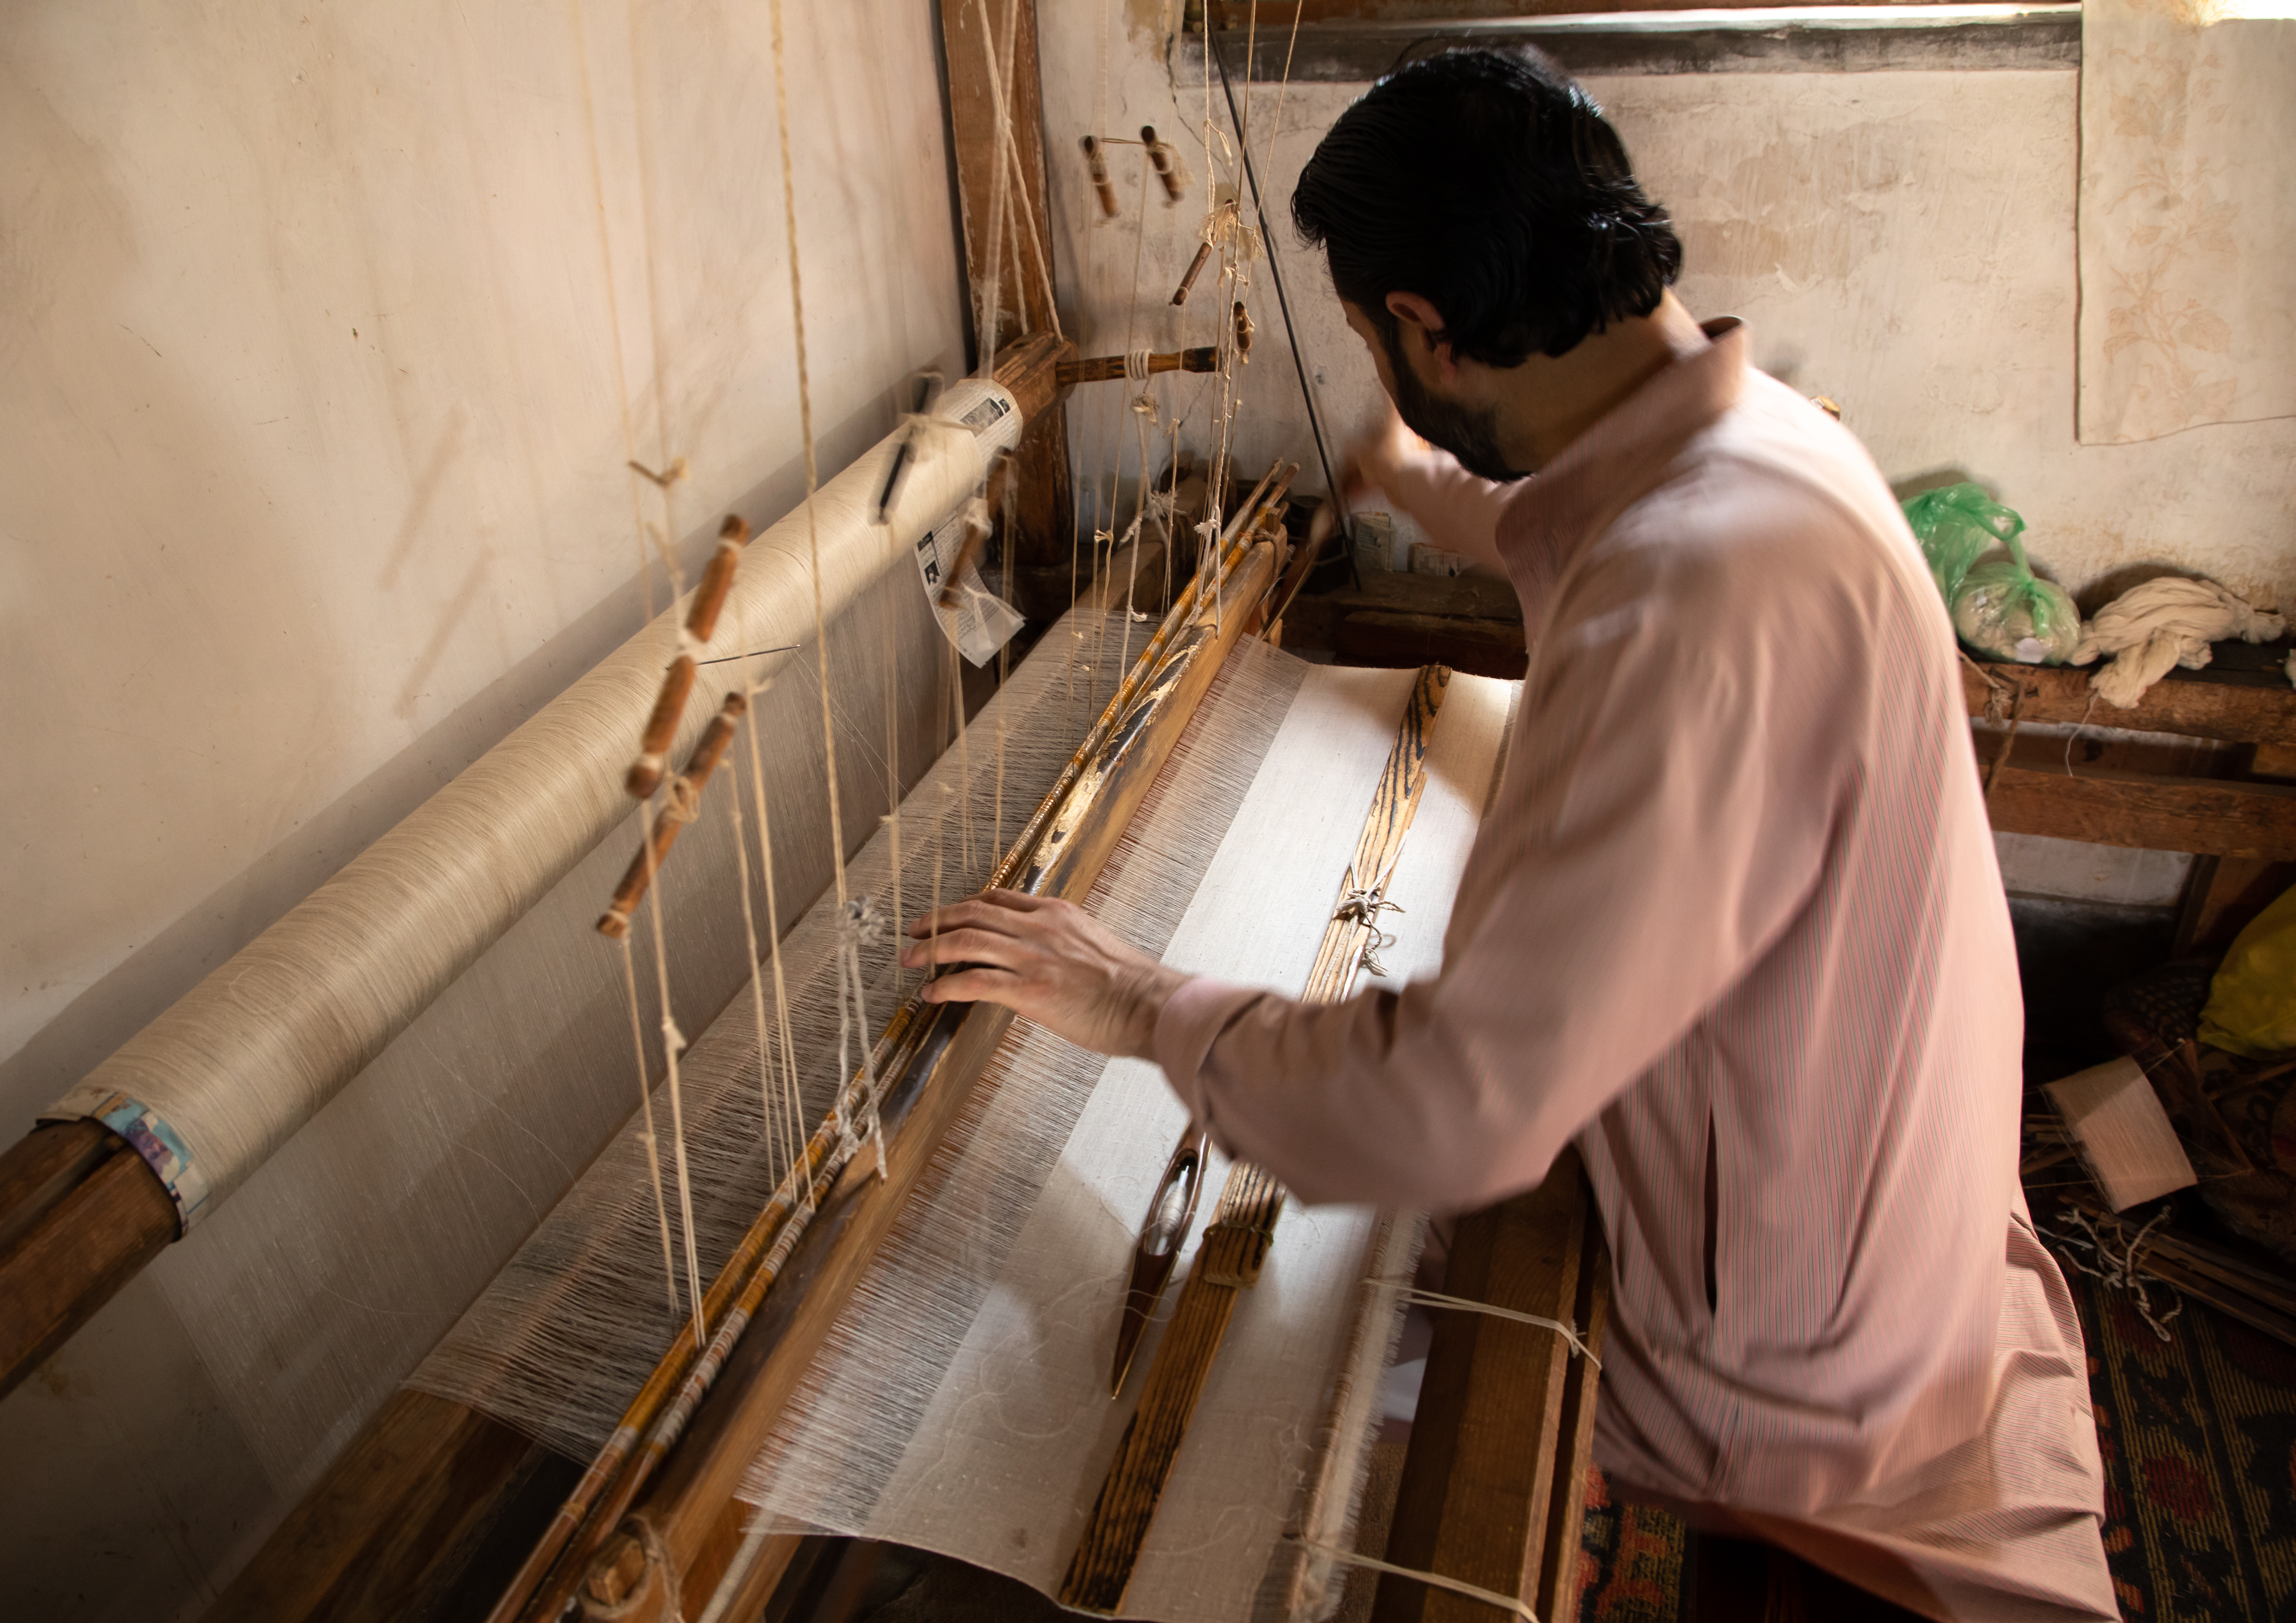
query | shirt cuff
[1191, 1020]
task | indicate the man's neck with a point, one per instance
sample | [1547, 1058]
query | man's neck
[1550, 400]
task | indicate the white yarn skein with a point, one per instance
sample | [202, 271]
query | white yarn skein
[2162, 624]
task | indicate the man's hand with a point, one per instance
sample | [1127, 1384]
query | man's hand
[1374, 458]
[1046, 960]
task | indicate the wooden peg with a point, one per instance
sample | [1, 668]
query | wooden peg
[1100, 181]
[1195, 269]
[1160, 156]
[1101, 368]
[717, 580]
[684, 795]
[662, 728]
[677, 681]
[1242, 330]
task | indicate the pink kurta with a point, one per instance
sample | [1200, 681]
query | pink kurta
[1733, 924]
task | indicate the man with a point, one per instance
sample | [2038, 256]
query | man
[1732, 923]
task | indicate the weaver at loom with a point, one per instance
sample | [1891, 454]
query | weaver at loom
[859, 1261]
[1732, 925]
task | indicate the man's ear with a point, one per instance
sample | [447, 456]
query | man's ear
[1415, 311]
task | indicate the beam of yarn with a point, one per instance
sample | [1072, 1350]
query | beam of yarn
[252, 1051]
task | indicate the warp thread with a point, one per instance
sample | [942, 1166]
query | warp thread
[1489, 1597]
[1436, 1299]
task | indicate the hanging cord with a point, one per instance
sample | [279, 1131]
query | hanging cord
[771, 1127]
[677, 806]
[1011, 146]
[1276, 271]
[646, 1137]
[1403, 1290]
[1489, 1597]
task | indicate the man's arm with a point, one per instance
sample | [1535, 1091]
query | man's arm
[1459, 512]
[1676, 781]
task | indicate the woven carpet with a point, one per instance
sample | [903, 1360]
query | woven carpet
[2199, 1440]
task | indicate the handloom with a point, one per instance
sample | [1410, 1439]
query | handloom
[931, 1214]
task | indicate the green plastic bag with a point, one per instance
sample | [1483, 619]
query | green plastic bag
[1956, 526]
[2006, 612]
[2252, 1000]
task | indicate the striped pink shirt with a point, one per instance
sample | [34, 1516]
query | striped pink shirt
[1733, 925]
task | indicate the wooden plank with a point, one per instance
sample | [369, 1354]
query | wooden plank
[42, 1167]
[394, 1520]
[2235, 711]
[1479, 1482]
[981, 58]
[74, 1256]
[1479, 647]
[1566, 1518]
[2215, 817]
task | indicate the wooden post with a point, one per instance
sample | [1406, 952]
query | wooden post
[1493, 1485]
[394, 1521]
[80, 1214]
[981, 59]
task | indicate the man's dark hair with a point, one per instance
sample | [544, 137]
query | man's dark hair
[1490, 185]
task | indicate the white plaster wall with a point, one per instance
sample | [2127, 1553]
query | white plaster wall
[1902, 241]
[325, 333]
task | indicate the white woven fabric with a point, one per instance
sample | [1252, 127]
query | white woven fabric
[1004, 1465]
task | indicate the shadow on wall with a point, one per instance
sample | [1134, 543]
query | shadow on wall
[192, 639]
[161, 970]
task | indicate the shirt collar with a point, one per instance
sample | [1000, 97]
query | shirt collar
[1622, 454]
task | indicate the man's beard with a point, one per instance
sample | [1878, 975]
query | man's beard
[1469, 435]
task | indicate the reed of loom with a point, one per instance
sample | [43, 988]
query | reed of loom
[926, 1062]
[1235, 1245]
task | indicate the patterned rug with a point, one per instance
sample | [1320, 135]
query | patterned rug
[2199, 1440]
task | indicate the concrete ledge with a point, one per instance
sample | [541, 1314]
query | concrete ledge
[1785, 39]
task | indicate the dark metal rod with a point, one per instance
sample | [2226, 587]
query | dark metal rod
[1275, 272]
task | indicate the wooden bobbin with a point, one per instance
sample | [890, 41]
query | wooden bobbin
[1196, 268]
[1100, 181]
[717, 580]
[645, 776]
[684, 794]
[1104, 368]
[1160, 156]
